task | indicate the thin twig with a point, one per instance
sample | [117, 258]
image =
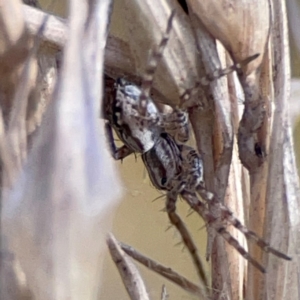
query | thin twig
[164, 271]
[130, 275]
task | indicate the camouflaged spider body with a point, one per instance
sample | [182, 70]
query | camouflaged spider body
[139, 133]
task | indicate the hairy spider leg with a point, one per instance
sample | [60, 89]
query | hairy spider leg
[218, 73]
[227, 215]
[193, 166]
[153, 60]
[185, 235]
[211, 220]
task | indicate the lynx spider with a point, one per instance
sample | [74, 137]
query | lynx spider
[175, 168]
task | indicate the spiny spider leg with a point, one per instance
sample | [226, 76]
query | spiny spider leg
[153, 61]
[199, 207]
[193, 170]
[117, 153]
[163, 163]
[228, 216]
[218, 73]
[185, 235]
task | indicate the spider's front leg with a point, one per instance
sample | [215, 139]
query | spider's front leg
[116, 153]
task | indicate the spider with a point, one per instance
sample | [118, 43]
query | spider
[160, 154]
[172, 167]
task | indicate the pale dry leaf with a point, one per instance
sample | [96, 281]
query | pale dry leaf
[258, 175]
[55, 32]
[241, 26]
[57, 214]
[13, 29]
[12, 278]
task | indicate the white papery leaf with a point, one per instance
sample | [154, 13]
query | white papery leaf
[56, 215]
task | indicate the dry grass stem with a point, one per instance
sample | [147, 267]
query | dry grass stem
[165, 272]
[57, 205]
[130, 275]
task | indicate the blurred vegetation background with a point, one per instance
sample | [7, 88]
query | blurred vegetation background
[140, 221]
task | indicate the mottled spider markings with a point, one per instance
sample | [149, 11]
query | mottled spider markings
[174, 168]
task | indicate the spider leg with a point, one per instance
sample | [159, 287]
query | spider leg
[228, 216]
[185, 235]
[212, 221]
[218, 73]
[116, 153]
[153, 61]
[193, 170]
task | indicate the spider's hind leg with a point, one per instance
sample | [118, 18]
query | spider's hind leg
[228, 216]
[185, 235]
[220, 228]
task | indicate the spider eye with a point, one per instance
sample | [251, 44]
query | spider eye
[163, 181]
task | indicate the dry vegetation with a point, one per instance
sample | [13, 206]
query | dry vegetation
[57, 183]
